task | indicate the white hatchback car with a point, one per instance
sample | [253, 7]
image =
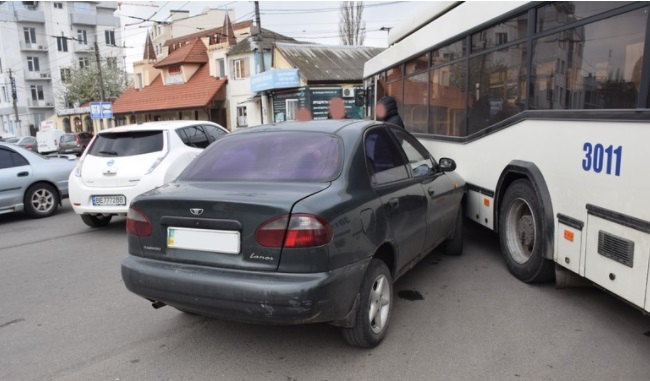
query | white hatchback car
[123, 162]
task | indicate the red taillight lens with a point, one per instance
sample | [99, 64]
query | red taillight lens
[301, 230]
[76, 137]
[137, 223]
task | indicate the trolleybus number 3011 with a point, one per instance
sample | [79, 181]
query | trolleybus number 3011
[597, 157]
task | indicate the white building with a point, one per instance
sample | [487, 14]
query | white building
[39, 41]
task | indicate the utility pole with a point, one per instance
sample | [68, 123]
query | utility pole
[99, 72]
[13, 98]
[260, 52]
[101, 81]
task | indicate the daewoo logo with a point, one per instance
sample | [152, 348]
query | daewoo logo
[110, 162]
[196, 211]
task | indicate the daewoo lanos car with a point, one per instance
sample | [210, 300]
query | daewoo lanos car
[31, 182]
[122, 162]
[295, 223]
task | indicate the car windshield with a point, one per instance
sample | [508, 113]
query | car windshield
[12, 140]
[269, 156]
[130, 143]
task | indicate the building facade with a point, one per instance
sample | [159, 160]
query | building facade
[40, 42]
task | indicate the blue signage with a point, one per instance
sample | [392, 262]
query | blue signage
[275, 79]
[101, 110]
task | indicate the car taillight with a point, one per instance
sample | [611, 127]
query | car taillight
[299, 230]
[137, 223]
[76, 137]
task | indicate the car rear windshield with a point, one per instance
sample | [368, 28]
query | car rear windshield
[269, 156]
[67, 138]
[116, 144]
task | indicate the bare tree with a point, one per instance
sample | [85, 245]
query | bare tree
[352, 28]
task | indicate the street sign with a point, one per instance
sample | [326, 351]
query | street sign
[101, 110]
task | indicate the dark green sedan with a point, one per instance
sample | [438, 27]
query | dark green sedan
[294, 223]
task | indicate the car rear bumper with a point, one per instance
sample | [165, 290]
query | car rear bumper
[248, 296]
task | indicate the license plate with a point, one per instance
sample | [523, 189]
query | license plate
[118, 200]
[219, 241]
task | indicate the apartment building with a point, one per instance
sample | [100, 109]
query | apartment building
[40, 41]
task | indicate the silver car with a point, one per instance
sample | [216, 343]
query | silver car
[31, 182]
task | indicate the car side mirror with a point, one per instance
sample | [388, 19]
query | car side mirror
[447, 165]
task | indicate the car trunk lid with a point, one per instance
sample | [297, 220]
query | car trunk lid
[215, 223]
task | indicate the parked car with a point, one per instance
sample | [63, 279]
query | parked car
[296, 223]
[122, 162]
[32, 182]
[48, 141]
[27, 142]
[74, 142]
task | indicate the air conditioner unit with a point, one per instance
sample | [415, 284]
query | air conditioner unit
[45, 75]
[48, 104]
[347, 91]
[41, 47]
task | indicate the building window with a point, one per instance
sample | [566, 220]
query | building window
[65, 75]
[174, 70]
[83, 62]
[239, 68]
[32, 64]
[62, 44]
[37, 93]
[220, 68]
[111, 62]
[241, 116]
[5, 98]
[81, 37]
[0, 65]
[30, 35]
[110, 37]
[139, 81]
[58, 5]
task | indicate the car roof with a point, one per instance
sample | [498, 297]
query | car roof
[331, 126]
[16, 148]
[163, 125]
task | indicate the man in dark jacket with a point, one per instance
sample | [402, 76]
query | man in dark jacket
[387, 111]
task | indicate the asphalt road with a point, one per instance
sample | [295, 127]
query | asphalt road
[65, 315]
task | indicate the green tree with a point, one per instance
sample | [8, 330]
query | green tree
[81, 84]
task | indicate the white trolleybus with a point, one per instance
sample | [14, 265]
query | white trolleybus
[544, 107]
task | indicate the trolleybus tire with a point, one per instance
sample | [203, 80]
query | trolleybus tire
[521, 234]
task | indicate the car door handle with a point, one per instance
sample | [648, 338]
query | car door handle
[431, 191]
[394, 203]
[23, 174]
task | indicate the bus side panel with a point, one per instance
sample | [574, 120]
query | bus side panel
[618, 259]
[480, 208]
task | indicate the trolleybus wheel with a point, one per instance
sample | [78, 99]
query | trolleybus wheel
[520, 234]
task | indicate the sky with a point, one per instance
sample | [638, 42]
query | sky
[311, 21]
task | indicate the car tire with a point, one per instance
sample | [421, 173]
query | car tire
[454, 245]
[41, 200]
[521, 234]
[375, 307]
[97, 221]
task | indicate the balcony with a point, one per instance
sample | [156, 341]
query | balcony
[78, 18]
[43, 75]
[25, 47]
[81, 48]
[106, 20]
[44, 103]
[29, 15]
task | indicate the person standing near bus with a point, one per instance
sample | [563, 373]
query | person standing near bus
[387, 111]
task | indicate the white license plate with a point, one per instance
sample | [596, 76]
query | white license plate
[109, 200]
[219, 241]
